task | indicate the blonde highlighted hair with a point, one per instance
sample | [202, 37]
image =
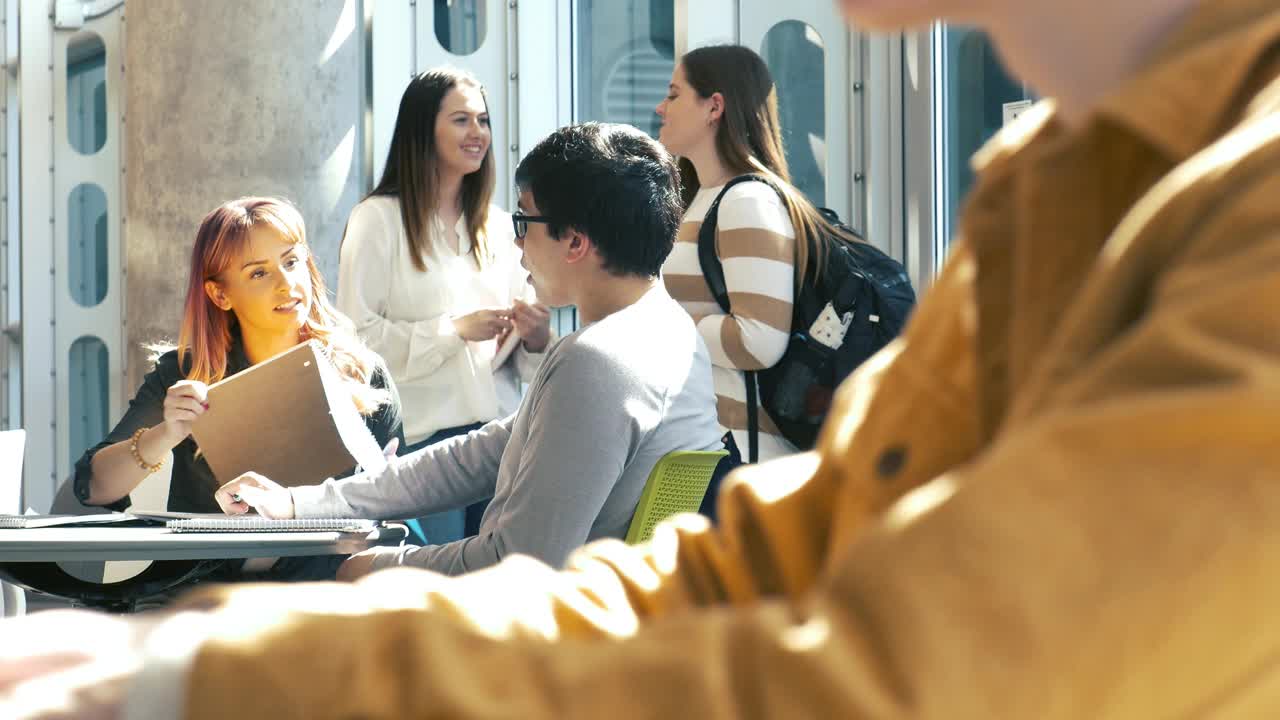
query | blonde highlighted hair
[208, 330]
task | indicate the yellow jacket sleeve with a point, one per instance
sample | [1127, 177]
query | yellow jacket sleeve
[1121, 528]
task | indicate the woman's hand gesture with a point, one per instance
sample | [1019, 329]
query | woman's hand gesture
[483, 325]
[186, 401]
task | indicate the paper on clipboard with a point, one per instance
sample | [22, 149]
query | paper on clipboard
[289, 418]
[505, 349]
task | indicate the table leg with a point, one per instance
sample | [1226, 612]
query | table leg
[13, 602]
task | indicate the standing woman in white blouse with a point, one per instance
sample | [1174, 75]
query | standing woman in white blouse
[431, 276]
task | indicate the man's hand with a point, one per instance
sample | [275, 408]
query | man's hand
[361, 564]
[252, 490]
[533, 323]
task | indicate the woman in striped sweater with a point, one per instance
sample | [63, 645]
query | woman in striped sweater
[720, 117]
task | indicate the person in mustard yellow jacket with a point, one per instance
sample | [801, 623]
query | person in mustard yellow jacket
[1057, 496]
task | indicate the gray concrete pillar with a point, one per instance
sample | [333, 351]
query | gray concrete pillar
[231, 98]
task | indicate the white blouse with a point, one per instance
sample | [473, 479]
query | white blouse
[405, 315]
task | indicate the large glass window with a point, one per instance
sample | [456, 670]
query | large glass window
[625, 55]
[974, 93]
[794, 52]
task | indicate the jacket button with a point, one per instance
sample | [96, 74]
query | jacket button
[890, 462]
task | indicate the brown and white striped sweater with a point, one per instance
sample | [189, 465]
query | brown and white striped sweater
[756, 245]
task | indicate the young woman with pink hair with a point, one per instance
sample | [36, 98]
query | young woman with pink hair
[254, 291]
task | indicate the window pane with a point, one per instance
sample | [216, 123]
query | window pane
[86, 93]
[564, 320]
[87, 238]
[460, 25]
[975, 91]
[87, 392]
[624, 61]
[794, 52]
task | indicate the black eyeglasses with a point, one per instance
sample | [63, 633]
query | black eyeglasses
[520, 222]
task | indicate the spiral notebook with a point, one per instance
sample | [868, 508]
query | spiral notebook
[289, 418]
[257, 523]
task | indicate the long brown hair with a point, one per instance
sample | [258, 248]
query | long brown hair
[410, 171]
[749, 140]
[208, 330]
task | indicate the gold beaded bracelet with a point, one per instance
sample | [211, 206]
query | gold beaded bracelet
[137, 456]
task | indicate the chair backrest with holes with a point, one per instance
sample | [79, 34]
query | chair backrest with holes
[677, 484]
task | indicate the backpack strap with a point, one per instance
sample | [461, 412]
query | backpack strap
[753, 419]
[713, 273]
[712, 270]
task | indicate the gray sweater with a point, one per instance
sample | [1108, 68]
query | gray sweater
[607, 403]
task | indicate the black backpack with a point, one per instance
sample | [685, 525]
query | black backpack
[870, 294]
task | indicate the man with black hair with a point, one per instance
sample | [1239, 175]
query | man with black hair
[599, 207]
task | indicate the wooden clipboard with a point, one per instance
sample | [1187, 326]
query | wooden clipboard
[289, 418]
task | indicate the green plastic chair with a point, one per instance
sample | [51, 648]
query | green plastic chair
[677, 484]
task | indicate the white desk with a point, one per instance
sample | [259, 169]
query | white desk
[97, 544]
[30, 557]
